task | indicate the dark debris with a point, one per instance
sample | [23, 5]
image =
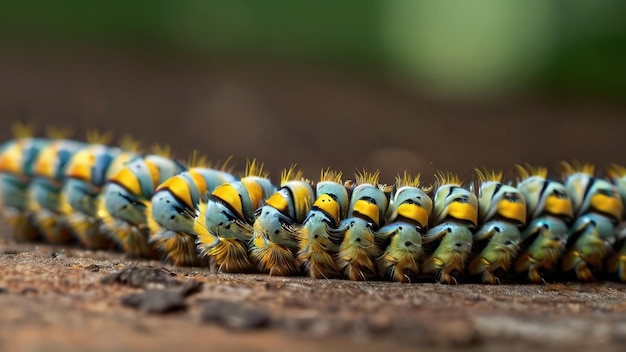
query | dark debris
[234, 316]
[141, 277]
[164, 300]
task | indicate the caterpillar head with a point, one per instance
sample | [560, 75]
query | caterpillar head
[332, 195]
[295, 196]
[369, 199]
[589, 193]
[453, 201]
[543, 196]
[496, 199]
[410, 201]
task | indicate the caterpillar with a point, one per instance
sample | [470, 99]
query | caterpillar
[172, 211]
[16, 172]
[358, 251]
[85, 176]
[501, 212]
[126, 197]
[100, 196]
[224, 224]
[455, 216]
[275, 241]
[549, 210]
[45, 189]
[407, 218]
[319, 236]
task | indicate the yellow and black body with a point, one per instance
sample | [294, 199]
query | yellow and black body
[407, 219]
[85, 177]
[318, 238]
[224, 223]
[46, 197]
[501, 214]
[275, 242]
[358, 251]
[127, 195]
[616, 262]
[455, 216]
[598, 209]
[173, 210]
[549, 210]
[17, 158]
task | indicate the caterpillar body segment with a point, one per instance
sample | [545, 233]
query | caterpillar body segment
[549, 209]
[455, 216]
[86, 175]
[224, 224]
[598, 208]
[275, 244]
[126, 197]
[47, 201]
[407, 219]
[616, 261]
[318, 236]
[500, 247]
[501, 214]
[17, 158]
[173, 209]
[358, 251]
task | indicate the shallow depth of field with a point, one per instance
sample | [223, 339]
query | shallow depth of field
[358, 85]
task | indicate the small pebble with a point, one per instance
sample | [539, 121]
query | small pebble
[235, 316]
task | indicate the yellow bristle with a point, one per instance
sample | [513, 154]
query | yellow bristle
[254, 168]
[162, 150]
[569, 168]
[411, 181]
[616, 171]
[59, 133]
[223, 166]
[328, 175]
[291, 174]
[527, 171]
[407, 180]
[96, 137]
[130, 144]
[485, 175]
[367, 177]
[447, 178]
[23, 130]
[196, 160]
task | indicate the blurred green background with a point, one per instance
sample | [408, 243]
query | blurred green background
[427, 66]
[482, 48]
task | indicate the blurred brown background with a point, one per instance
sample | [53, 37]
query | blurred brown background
[389, 86]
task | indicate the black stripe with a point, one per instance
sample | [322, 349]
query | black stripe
[495, 191]
[590, 184]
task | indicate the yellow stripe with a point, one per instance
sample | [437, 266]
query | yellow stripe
[368, 209]
[199, 181]
[229, 194]
[10, 159]
[255, 191]
[463, 211]
[414, 212]
[278, 202]
[514, 211]
[302, 198]
[127, 179]
[327, 204]
[80, 166]
[559, 206]
[45, 164]
[155, 174]
[609, 205]
[178, 186]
